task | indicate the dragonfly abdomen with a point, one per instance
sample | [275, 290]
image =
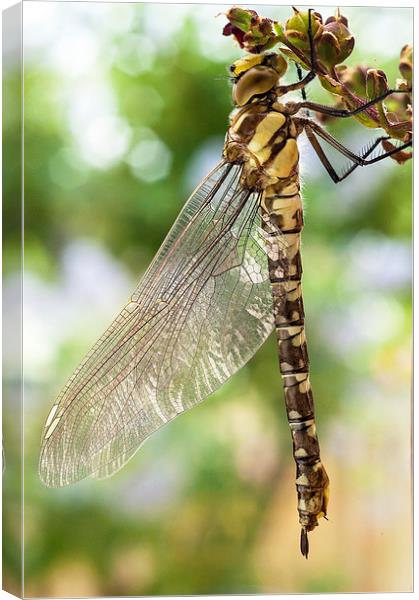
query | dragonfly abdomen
[282, 212]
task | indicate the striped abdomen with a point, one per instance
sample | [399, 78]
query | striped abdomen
[282, 212]
[263, 137]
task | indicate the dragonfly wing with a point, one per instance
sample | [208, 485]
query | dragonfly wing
[200, 312]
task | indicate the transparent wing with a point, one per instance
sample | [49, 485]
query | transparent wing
[200, 312]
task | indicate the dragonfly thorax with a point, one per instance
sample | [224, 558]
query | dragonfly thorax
[263, 137]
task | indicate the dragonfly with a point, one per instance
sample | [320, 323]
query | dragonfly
[227, 275]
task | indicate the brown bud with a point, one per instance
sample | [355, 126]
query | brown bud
[240, 18]
[335, 44]
[339, 18]
[406, 63]
[376, 83]
[355, 79]
[296, 29]
[401, 156]
[253, 33]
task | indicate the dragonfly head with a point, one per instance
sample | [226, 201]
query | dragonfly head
[256, 75]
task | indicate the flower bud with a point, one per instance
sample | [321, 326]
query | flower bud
[296, 30]
[401, 156]
[355, 79]
[406, 63]
[376, 83]
[332, 42]
[337, 18]
[336, 42]
[253, 33]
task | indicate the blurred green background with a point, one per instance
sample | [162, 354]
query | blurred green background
[126, 107]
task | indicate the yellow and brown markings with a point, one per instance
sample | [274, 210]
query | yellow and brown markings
[281, 206]
[262, 135]
[245, 63]
[311, 479]
[265, 141]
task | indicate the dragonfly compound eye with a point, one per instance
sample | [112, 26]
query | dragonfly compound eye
[256, 81]
[277, 62]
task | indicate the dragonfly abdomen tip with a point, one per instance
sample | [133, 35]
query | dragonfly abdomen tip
[304, 545]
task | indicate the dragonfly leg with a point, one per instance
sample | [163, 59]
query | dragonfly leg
[365, 154]
[344, 112]
[328, 165]
[313, 56]
[358, 161]
[298, 85]
[300, 78]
